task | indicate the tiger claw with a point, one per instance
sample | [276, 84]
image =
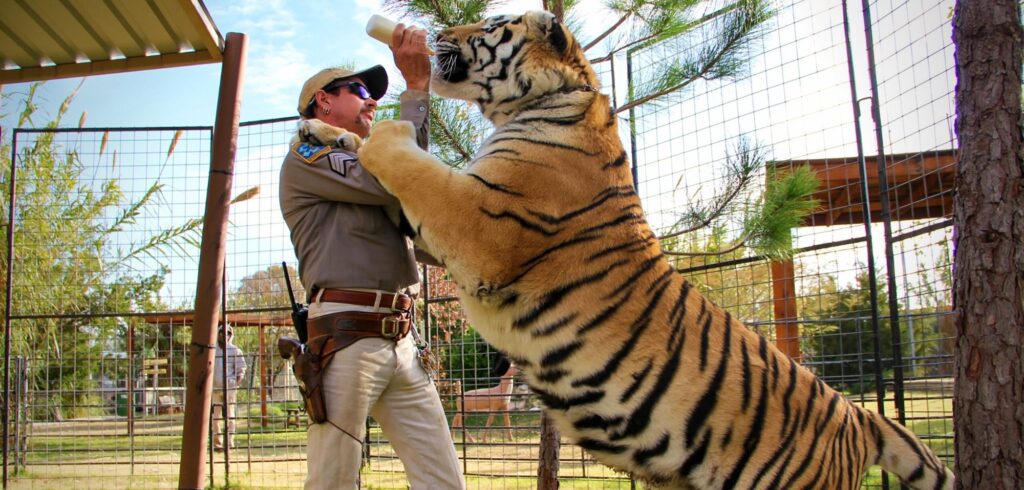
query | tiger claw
[317, 132]
[349, 142]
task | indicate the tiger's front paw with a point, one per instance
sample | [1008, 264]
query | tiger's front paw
[317, 132]
[386, 142]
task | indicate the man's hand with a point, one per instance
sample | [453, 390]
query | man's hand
[412, 56]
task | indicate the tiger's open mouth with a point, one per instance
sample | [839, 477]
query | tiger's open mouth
[451, 66]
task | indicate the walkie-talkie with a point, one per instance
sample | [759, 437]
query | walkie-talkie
[299, 311]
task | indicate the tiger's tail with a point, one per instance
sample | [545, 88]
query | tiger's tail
[902, 453]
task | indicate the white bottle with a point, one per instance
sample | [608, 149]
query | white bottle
[381, 28]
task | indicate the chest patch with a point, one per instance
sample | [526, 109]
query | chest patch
[340, 163]
[310, 153]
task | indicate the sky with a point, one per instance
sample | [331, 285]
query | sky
[288, 41]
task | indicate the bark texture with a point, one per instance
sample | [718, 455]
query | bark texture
[550, 446]
[988, 291]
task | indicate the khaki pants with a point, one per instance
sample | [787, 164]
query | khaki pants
[378, 377]
[222, 401]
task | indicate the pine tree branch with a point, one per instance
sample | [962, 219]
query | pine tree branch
[452, 142]
[742, 166]
[732, 248]
[638, 43]
[679, 86]
[625, 47]
[436, 6]
[439, 13]
[608, 32]
[736, 35]
[723, 204]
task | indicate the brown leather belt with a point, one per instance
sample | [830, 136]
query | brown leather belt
[396, 301]
[331, 333]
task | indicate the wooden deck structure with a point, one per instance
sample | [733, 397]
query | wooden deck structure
[920, 186]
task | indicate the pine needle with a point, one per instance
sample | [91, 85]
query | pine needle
[786, 202]
[440, 14]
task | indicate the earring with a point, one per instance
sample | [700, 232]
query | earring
[327, 110]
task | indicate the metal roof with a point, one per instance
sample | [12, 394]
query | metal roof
[47, 39]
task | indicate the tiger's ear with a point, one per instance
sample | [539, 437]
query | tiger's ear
[551, 29]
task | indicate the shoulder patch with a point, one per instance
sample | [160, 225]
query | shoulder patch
[340, 163]
[310, 153]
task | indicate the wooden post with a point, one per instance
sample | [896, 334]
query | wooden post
[191, 471]
[9, 291]
[129, 403]
[264, 376]
[787, 332]
[550, 446]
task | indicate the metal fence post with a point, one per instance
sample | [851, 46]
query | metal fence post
[883, 191]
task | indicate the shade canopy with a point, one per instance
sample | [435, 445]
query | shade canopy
[49, 39]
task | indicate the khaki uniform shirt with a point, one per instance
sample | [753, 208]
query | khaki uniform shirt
[335, 211]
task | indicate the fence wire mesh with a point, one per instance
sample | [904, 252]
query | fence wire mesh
[106, 226]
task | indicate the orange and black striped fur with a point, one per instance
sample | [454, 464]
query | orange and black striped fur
[557, 267]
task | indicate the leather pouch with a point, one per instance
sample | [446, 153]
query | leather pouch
[310, 375]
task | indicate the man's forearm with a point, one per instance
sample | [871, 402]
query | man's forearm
[415, 107]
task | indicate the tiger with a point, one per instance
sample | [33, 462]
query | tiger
[555, 265]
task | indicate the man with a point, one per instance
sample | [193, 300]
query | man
[356, 265]
[225, 385]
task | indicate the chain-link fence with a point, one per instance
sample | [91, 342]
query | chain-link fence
[105, 255]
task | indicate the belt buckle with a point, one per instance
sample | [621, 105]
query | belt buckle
[392, 332]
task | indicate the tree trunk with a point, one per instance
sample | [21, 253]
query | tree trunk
[550, 446]
[988, 290]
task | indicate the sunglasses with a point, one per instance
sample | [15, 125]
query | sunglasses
[357, 89]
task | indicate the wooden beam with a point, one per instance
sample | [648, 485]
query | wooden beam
[104, 67]
[839, 204]
[269, 319]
